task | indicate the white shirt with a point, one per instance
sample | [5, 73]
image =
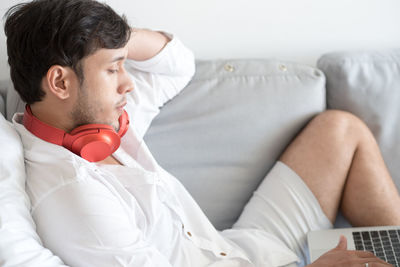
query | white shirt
[136, 214]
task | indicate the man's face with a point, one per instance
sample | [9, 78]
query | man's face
[101, 96]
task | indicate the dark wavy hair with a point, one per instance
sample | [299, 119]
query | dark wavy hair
[43, 33]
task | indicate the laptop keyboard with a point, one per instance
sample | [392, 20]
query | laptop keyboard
[384, 244]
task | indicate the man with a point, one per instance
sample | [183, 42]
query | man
[99, 202]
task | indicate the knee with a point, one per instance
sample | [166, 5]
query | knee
[341, 123]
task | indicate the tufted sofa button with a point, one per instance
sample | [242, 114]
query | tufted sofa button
[282, 67]
[229, 68]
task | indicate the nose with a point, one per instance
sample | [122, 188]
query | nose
[126, 83]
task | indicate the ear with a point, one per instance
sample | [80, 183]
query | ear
[60, 81]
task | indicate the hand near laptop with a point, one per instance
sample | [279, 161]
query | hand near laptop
[340, 256]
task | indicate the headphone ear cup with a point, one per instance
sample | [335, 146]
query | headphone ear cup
[93, 145]
[123, 123]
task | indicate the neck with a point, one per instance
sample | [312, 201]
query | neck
[53, 115]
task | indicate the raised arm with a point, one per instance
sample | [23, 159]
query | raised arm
[145, 44]
[160, 67]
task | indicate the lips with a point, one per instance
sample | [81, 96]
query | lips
[121, 105]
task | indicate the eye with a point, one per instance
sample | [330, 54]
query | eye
[112, 71]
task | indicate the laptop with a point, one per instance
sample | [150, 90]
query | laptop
[383, 241]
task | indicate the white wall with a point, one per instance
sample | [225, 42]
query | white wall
[295, 30]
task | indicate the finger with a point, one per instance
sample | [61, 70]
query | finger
[372, 262]
[342, 243]
[378, 264]
[367, 256]
[364, 254]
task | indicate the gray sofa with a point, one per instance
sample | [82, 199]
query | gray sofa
[224, 131]
[222, 134]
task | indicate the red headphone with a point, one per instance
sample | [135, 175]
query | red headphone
[93, 142]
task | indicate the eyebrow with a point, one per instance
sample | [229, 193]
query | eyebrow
[117, 59]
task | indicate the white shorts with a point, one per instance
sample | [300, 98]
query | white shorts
[284, 206]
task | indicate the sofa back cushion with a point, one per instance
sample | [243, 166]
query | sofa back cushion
[367, 84]
[10, 102]
[225, 130]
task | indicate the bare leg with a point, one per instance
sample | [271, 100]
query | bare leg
[338, 158]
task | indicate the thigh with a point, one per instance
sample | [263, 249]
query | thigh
[285, 207]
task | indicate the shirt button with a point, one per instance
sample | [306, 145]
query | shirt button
[222, 254]
[189, 234]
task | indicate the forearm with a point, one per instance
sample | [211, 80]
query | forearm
[145, 44]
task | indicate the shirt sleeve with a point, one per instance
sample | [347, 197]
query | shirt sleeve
[156, 81]
[87, 224]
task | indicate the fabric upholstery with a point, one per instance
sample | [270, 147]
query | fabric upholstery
[10, 102]
[227, 128]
